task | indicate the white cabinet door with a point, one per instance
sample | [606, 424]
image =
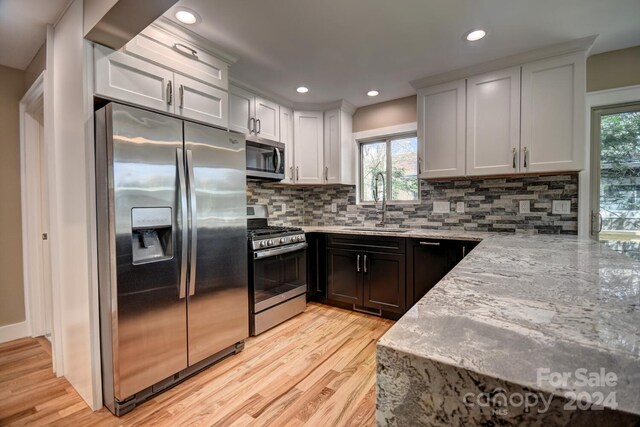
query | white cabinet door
[165, 49]
[331, 172]
[267, 119]
[309, 151]
[441, 128]
[241, 110]
[553, 114]
[198, 101]
[122, 77]
[286, 137]
[493, 122]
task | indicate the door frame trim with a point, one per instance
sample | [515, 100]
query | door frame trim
[30, 200]
[602, 98]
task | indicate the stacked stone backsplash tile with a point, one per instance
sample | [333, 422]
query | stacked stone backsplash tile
[274, 196]
[491, 204]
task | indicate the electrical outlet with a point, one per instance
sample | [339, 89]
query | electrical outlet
[441, 207]
[525, 206]
[460, 207]
[334, 207]
[284, 207]
[561, 207]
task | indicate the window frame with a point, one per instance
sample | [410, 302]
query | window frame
[388, 196]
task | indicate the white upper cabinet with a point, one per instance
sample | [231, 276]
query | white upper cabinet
[123, 77]
[168, 50]
[339, 148]
[286, 137]
[267, 115]
[493, 122]
[309, 147]
[441, 130]
[553, 114]
[198, 101]
[241, 110]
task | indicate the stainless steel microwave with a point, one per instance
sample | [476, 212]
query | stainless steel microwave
[265, 159]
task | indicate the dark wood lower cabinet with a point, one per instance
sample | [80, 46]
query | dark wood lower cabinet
[384, 281]
[344, 276]
[384, 275]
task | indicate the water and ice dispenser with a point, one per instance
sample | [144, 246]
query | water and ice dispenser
[151, 234]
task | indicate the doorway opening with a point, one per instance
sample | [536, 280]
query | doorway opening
[35, 215]
[615, 186]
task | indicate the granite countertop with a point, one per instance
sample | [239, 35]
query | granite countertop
[518, 303]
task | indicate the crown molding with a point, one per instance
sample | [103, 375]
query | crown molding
[324, 106]
[264, 93]
[582, 45]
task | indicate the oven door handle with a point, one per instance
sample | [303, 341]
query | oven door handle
[279, 251]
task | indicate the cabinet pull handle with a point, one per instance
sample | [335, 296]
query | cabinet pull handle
[181, 96]
[252, 125]
[291, 170]
[430, 243]
[364, 263]
[464, 251]
[358, 263]
[169, 93]
[326, 173]
[186, 50]
[297, 173]
[419, 166]
[514, 152]
[258, 126]
[526, 155]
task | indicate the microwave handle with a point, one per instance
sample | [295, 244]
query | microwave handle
[279, 159]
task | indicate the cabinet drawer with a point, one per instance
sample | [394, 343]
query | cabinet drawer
[367, 243]
[169, 51]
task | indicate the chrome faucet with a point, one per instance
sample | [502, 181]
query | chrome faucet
[379, 175]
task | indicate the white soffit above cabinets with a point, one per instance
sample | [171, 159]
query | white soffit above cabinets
[341, 49]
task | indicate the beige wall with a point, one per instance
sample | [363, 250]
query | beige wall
[389, 113]
[11, 289]
[617, 68]
[36, 67]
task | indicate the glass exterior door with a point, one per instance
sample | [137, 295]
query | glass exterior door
[616, 178]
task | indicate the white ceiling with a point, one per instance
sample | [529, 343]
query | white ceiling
[342, 48]
[23, 28]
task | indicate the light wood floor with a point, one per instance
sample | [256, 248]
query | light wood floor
[317, 369]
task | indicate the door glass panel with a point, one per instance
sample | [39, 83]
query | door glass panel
[619, 187]
[278, 274]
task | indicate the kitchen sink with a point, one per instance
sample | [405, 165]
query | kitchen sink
[378, 230]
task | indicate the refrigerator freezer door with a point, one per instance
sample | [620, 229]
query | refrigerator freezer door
[148, 326]
[218, 283]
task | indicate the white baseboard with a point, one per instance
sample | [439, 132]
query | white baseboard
[13, 332]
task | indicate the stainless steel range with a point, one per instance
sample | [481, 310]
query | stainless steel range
[277, 271]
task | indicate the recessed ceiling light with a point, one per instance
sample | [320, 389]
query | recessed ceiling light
[373, 93]
[187, 16]
[303, 89]
[475, 35]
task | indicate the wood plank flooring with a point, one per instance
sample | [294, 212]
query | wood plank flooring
[317, 369]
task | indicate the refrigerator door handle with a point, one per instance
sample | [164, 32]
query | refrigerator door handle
[194, 224]
[183, 213]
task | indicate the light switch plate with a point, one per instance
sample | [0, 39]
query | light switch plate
[460, 207]
[525, 206]
[561, 207]
[334, 207]
[441, 207]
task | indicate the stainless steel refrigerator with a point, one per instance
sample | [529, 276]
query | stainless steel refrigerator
[172, 250]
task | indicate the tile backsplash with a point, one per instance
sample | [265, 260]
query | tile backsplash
[490, 204]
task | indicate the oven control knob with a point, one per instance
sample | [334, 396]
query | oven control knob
[263, 244]
[283, 240]
[270, 242]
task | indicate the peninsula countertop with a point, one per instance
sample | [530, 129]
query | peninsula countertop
[521, 303]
